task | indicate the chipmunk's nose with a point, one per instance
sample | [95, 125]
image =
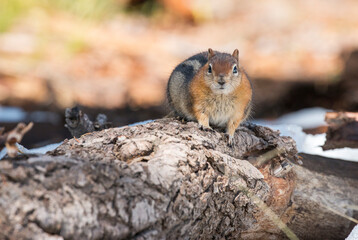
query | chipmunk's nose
[221, 80]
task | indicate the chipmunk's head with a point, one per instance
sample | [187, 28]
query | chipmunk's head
[222, 73]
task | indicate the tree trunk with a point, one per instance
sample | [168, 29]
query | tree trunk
[169, 180]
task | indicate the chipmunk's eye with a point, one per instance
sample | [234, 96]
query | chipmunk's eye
[234, 70]
[209, 69]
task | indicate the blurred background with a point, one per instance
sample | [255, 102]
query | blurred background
[115, 56]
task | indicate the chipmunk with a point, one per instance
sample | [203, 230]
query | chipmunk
[211, 88]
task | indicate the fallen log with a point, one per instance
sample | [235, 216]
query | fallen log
[342, 130]
[169, 180]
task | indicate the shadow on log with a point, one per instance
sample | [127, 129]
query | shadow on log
[169, 180]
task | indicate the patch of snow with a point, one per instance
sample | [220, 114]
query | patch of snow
[3, 153]
[354, 234]
[306, 118]
[292, 125]
[40, 150]
[313, 143]
[140, 123]
[293, 131]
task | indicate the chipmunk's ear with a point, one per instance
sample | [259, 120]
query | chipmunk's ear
[235, 54]
[211, 53]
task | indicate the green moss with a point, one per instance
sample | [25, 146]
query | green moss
[77, 45]
[87, 9]
[10, 10]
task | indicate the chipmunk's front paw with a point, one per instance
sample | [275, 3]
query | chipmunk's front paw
[230, 141]
[205, 128]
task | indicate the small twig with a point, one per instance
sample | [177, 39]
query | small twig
[270, 214]
[273, 217]
[13, 137]
[353, 207]
[263, 158]
[341, 214]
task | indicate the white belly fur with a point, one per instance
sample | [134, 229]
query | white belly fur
[219, 120]
[222, 111]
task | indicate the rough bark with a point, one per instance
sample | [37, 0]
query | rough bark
[342, 130]
[78, 123]
[169, 180]
[324, 188]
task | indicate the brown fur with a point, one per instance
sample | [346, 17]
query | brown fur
[235, 105]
